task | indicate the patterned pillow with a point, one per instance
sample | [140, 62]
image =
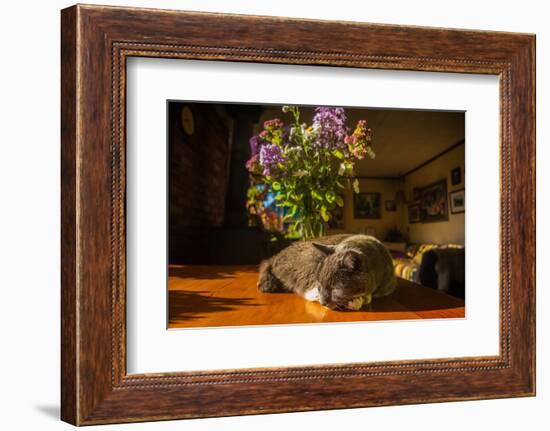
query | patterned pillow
[405, 268]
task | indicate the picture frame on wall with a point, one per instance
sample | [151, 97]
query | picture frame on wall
[108, 378]
[367, 205]
[413, 213]
[457, 200]
[433, 202]
[456, 176]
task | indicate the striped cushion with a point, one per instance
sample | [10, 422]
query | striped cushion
[406, 268]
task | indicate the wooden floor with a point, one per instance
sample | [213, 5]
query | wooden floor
[208, 296]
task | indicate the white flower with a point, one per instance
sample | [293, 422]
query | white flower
[300, 173]
[341, 169]
[292, 150]
[356, 186]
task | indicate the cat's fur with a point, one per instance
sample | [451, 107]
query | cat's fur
[333, 270]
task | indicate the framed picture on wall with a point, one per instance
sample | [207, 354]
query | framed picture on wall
[458, 201]
[433, 202]
[456, 176]
[367, 205]
[414, 213]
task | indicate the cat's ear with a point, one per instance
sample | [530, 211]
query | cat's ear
[352, 260]
[327, 249]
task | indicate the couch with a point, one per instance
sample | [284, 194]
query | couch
[438, 266]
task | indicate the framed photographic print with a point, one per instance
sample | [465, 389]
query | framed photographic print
[458, 201]
[253, 251]
[367, 205]
[433, 202]
[413, 212]
[204, 164]
[456, 176]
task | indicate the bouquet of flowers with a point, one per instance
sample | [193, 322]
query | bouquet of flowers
[307, 167]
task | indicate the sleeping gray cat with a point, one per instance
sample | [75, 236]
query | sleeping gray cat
[340, 271]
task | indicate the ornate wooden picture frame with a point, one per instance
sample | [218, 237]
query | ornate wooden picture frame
[96, 42]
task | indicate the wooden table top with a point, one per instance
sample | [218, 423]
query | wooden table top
[215, 296]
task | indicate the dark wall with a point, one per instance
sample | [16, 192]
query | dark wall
[197, 172]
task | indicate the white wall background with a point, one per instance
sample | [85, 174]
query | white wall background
[29, 216]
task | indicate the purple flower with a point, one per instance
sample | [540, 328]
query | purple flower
[270, 157]
[254, 145]
[330, 126]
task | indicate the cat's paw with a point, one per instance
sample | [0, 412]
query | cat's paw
[267, 286]
[357, 303]
[268, 283]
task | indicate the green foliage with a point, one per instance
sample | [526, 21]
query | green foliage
[307, 168]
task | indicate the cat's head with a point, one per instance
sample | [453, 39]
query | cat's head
[343, 276]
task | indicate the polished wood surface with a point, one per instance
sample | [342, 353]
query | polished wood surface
[212, 296]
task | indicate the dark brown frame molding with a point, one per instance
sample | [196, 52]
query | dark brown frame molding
[95, 43]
